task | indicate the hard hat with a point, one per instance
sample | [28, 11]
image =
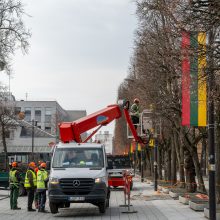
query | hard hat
[32, 164]
[14, 164]
[136, 100]
[43, 165]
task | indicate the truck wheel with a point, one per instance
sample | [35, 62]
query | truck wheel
[102, 207]
[22, 190]
[53, 208]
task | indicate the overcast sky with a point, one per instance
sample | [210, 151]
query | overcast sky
[79, 52]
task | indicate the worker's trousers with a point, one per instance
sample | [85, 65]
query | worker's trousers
[42, 199]
[14, 192]
[30, 192]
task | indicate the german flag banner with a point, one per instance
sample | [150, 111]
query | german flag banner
[194, 85]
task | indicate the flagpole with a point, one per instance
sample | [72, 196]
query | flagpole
[211, 133]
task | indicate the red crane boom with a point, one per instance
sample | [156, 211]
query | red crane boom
[71, 131]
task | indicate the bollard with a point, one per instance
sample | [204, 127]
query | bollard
[128, 193]
[124, 178]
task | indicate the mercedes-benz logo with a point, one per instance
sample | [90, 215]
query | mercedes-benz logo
[76, 183]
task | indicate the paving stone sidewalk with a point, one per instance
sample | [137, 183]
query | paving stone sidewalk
[152, 209]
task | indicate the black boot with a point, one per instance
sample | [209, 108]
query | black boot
[31, 210]
[17, 208]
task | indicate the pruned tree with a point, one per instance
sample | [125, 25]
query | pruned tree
[13, 34]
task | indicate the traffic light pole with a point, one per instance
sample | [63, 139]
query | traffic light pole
[155, 167]
[142, 166]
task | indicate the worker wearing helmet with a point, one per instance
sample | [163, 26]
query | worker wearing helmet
[36, 196]
[135, 112]
[42, 179]
[30, 184]
[14, 178]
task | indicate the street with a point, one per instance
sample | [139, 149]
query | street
[147, 205]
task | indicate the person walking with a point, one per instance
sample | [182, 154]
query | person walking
[42, 179]
[14, 179]
[135, 112]
[30, 184]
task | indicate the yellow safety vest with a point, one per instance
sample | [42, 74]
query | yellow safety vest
[27, 182]
[13, 179]
[41, 177]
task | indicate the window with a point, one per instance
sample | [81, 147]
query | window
[48, 129]
[48, 115]
[78, 157]
[37, 112]
[17, 110]
[27, 112]
[25, 132]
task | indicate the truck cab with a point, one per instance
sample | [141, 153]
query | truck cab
[117, 164]
[78, 175]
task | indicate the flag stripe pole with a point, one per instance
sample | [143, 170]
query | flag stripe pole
[202, 84]
[185, 79]
[194, 80]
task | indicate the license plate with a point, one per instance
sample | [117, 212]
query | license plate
[76, 198]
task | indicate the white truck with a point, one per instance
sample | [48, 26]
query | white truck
[78, 175]
[79, 169]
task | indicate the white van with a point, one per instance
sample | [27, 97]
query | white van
[78, 175]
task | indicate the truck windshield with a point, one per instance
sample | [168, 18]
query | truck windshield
[118, 162]
[78, 157]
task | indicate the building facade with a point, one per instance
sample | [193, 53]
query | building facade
[38, 131]
[105, 138]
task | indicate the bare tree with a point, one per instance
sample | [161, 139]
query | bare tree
[13, 34]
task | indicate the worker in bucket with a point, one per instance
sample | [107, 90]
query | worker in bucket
[135, 112]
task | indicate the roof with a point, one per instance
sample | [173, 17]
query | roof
[74, 144]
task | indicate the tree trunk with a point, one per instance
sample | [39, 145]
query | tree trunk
[198, 171]
[169, 166]
[4, 145]
[203, 157]
[189, 172]
[4, 138]
[173, 162]
[217, 149]
[181, 167]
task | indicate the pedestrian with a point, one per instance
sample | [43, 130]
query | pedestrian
[36, 196]
[42, 179]
[30, 184]
[135, 112]
[14, 178]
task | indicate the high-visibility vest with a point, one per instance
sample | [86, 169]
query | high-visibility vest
[13, 179]
[135, 110]
[41, 177]
[27, 182]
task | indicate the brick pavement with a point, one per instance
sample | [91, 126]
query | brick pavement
[167, 209]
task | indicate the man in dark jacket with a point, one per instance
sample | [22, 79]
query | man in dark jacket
[14, 178]
[30, 184]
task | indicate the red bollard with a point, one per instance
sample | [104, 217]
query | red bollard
[127, 192]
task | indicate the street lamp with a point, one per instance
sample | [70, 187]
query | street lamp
[34, 123]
